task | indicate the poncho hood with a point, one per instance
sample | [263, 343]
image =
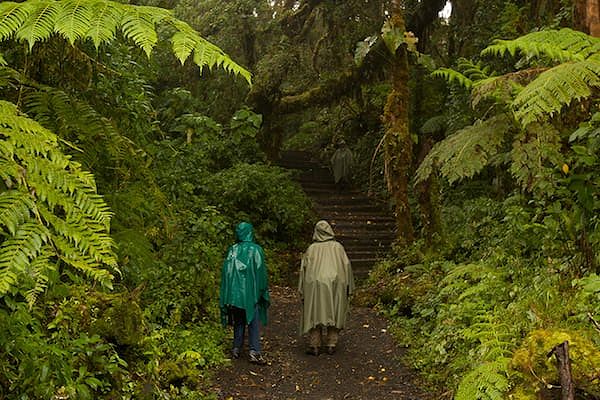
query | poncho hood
[323, 232]
[244, 232]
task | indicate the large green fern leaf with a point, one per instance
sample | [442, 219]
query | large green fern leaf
[13, 16]
[73, 20]
[40, 23]
[556, 88]
[105, 23]
[100, 20]
[488, 381]
[468, 151]
[52, 204]
[562, 45]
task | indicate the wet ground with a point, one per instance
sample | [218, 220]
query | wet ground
[366, 365]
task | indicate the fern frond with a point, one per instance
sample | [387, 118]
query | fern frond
[15, 209]
[73, 20]
[451, 76]
[40, 23]
[139, 23]
[100, 20]
[39, 270]
[560, 45]
[53, 202]
[57, 110]
[18, 250]
[488, 381]
[106, 21]
[468, 151]
[88, 266]
[13, 16]
[556, 88]
[534, 154]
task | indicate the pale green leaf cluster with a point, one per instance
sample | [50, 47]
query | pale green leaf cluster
[99, 21]
[468, 151]
[50, 214]
[489, 381]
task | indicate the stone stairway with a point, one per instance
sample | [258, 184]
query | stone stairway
[364, 227]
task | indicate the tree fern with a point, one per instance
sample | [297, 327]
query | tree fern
[100, 20]
[574, 79]
[468, 151]
[562, 45]
[555, 88]
[50, 213]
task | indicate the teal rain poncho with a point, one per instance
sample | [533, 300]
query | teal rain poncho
[244, 282]
[326, 281]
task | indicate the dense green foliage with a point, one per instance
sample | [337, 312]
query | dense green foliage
[124, 170]
[515, 271]
[118, 200]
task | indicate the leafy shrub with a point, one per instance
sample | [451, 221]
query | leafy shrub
[263, 195]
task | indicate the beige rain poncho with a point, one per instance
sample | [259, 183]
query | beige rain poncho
[326, 281]
[341, 163]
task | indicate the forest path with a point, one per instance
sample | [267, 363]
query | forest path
[367, 362]
[366, 365]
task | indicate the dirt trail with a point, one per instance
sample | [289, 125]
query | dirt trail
[365, 366]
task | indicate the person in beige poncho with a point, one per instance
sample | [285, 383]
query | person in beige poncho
[325, 285]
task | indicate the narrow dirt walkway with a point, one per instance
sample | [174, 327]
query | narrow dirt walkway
[365, 366]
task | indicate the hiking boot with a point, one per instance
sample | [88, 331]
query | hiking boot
[257, 358]
[235, 353]
[313, 351]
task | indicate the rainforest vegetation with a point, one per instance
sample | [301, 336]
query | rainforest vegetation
[135, 134]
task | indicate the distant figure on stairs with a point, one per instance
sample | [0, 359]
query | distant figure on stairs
[341, 165]
[325, 285]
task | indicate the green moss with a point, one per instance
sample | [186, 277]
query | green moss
[532, 361]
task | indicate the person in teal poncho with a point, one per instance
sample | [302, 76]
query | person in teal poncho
[244, 296]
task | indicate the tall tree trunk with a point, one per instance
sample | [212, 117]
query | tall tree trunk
[587, 16]
[397, 142]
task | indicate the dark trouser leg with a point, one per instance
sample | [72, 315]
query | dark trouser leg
[239, 327]
[254, 332]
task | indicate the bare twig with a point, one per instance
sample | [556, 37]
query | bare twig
[593, 321]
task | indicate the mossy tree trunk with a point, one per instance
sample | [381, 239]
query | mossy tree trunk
[398, 144]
